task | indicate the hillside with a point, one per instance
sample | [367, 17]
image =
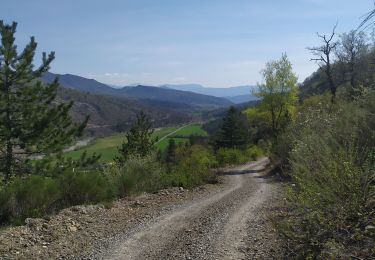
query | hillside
[178, 97]
[239, 99]
[239, 94]
[109, 114]
[182, 97]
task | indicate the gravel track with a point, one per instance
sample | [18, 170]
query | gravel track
[214, 227]
[228, 220]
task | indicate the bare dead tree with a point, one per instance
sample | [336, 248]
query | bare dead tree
[323, 58]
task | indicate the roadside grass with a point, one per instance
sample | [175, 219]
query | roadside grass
[107, 146]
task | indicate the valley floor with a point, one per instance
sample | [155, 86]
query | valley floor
[225, 221]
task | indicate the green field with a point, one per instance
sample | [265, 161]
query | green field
[195, 129]
[107, 146]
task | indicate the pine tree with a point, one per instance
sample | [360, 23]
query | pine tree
[170, 156]
[233, 132]
[32, 122]
[138, 140]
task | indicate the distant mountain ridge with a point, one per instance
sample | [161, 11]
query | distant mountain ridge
[239, 94]
[195, 100]
[80, 83]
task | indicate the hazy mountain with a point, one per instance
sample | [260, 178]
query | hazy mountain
[242, 98]
[169, 95]
[178, 96]
[217, 92]
[237, 95]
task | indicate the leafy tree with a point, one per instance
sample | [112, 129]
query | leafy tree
[278, 93]
[233, 132]
[32, 122]
[259, 124]
[352, 52]
[138, 140]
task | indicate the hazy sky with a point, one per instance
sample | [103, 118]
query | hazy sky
[216, 43]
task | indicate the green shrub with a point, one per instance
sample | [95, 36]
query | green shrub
[254, 152]
[175, 178]
[193, 168]
[227, 156]
[32, 196]
[197, 167]
[84, 187]
[332, 165]
[137, 175]
[265, 146]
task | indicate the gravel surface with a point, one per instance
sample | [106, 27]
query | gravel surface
[228, 220]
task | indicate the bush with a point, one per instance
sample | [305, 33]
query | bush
[32, 196]
[193, 168]
[197, 167]
[332, 165]
[35, 196]
[254, 152]
[226, 156]
[137, 175]
[84, 187]
[265, 146]
[175, 178]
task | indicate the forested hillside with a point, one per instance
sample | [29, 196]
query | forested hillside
[351, 65]
[110, 114]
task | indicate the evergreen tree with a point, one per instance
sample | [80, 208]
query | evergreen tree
[138, 140]
[32, 122]
[233, 132]
[170, 156]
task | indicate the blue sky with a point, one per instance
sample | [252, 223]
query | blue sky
[217, 43]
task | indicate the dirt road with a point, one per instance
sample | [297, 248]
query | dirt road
[225, 225]
[228, 220]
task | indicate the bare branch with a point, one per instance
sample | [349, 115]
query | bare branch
[370, 15]
[323, 56]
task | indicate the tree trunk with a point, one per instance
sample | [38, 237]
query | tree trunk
[330, 80]
[8, 125]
